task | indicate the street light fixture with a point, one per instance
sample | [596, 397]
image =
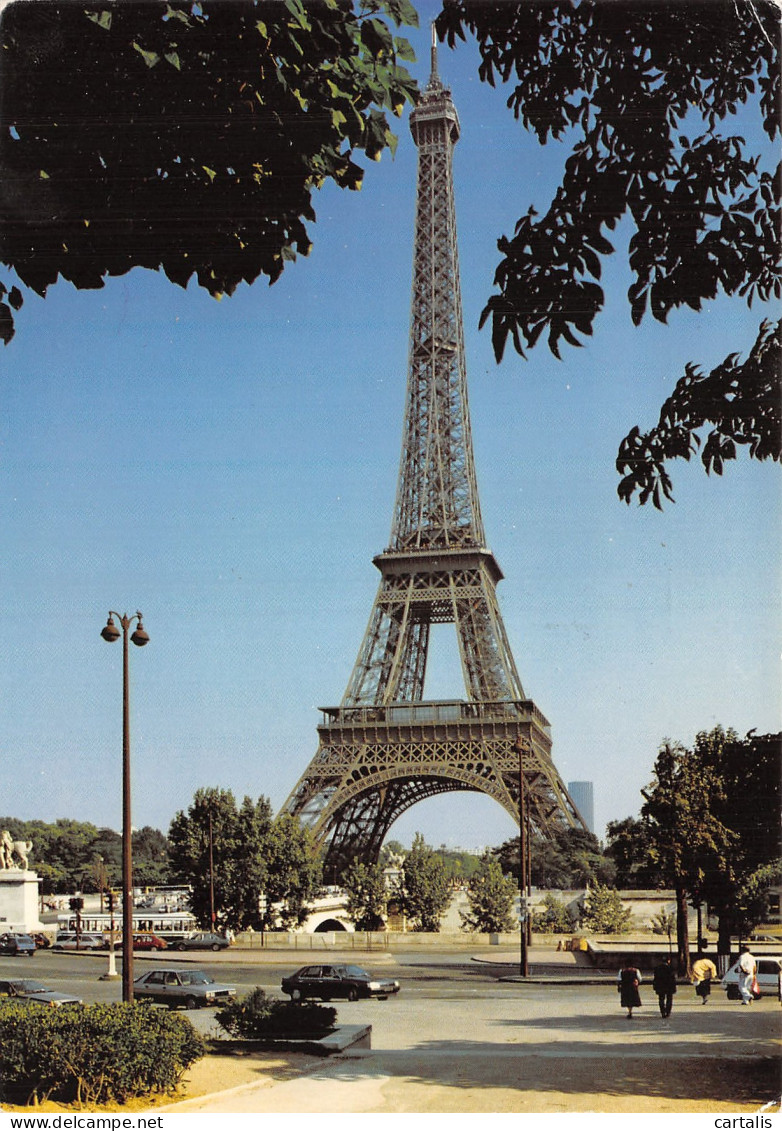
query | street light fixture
[140, 637]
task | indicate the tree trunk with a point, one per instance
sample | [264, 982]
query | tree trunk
[682, 934]
[724, 932]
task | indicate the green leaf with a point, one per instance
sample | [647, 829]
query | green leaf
[102, 19]
[174, 60]
[297, 10]
[149, 57]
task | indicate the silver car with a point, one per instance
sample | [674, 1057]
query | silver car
[190, 988]
[26, 989]
[202, 940]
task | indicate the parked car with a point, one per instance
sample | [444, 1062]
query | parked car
[25, 989]
[202, 940]
[144, 942]
[87, 940]
[768, 977]
[13, 943]
[190, 988]
[327, 982]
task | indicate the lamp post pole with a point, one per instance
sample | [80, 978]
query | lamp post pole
[140, 637]
[523, 902]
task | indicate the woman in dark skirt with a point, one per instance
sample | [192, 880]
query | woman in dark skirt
[629, 979]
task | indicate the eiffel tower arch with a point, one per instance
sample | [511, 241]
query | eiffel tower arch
[385, 748]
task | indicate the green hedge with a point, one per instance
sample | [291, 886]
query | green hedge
[258, 1017]
[92, 1054]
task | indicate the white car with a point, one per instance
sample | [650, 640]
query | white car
[87, 940]
[768, 977]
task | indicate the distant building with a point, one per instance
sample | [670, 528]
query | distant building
[583, 794]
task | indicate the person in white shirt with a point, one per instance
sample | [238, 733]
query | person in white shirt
[747, 972]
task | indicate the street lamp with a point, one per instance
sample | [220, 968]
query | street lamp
[140, 637]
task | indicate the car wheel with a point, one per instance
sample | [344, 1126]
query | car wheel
[181, 946]
[216, 946]
[733, 993]
[191, 1002]
[352, 994]
[295, 995]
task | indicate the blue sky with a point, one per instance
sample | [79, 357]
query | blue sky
[230, 468]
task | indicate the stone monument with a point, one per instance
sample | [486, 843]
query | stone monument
[18, 887]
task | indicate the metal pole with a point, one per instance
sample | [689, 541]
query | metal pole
[140, 637]
[127, 846]
[523, 961]
[528, 847]
[211, 874]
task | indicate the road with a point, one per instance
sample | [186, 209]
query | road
[458, 1039]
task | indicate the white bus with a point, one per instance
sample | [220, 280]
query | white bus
[171, 925]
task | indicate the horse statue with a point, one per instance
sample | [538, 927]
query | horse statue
[10, 848]
[22, 849]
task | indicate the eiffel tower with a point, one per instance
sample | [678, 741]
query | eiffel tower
[385, 748]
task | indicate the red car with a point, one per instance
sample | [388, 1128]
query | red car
[145, 942]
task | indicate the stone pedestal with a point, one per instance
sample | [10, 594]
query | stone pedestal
[19, 901]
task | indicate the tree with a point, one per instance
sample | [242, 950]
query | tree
[187, 136]
[734, 880]
[293, 872]
[365, 888]
[426, 890]
[628, 844]
[554, 917]
[568, 858]
[640, 90]
[688, 841]
[66, 852]
[490, 895]
[602, 911]
[221, 853]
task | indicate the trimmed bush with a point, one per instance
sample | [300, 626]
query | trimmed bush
[92, 1054]
[258, 1017]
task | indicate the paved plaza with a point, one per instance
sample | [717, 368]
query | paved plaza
[540, 1047]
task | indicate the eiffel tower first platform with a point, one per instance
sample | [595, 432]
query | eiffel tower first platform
[385, 748]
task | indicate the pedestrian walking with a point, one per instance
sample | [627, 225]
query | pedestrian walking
[748, 968]
[664, 985]
[703, 971]
[629, 979]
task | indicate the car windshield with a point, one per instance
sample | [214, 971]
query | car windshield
[27, 986]
[196, 978]
[356, 972]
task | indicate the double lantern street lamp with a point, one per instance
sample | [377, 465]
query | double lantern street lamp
[140, 637]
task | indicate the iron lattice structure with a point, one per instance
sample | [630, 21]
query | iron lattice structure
[385, 748]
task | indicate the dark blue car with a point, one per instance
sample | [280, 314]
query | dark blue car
[12, 943]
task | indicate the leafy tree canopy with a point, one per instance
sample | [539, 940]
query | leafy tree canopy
[646, 95]
[218, 850]
[66, 854]
[602, 911]
[187, 136]
[490, 895]
[365, 888]
[293, 871]
[426, 890]
[569, 858]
